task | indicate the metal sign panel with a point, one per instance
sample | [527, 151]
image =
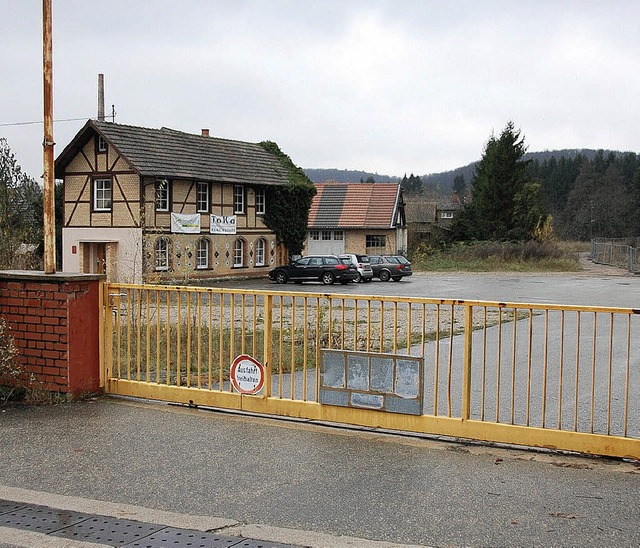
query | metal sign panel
[386, 382]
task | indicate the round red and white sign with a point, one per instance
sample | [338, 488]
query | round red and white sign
[247, 375]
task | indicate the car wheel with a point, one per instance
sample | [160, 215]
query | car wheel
[328, 278]
[385, 275]
[358, 278]
[281, 277]
[396, 278]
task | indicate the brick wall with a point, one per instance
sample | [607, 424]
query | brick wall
[55, 321]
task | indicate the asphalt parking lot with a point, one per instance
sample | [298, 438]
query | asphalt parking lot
[616, 288]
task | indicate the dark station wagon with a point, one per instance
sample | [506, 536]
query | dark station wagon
[388, 267]
[316, 268]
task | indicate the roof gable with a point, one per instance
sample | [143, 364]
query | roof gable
[354, 205]
[177, 155]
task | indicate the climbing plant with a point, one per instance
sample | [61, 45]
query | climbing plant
[287, 212]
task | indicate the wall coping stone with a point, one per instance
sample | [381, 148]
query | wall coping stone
[40, 276]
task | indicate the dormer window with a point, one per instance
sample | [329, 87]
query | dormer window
[102, 144]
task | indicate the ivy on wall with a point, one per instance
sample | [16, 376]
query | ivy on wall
[287, 212]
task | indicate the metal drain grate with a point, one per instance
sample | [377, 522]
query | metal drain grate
[171, 536]
[9, 506]
[40, 519]
[112, 531]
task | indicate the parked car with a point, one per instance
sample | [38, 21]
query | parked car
[403, 259]
[365, 272]
[387, 267]
[323, 268]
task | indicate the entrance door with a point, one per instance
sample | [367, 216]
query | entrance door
[94, 258]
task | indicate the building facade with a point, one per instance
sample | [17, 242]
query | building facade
[143, 204]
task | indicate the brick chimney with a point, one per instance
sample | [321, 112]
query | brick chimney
[205, 132]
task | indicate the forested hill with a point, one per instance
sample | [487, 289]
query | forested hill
[443, 181]
[347, 176]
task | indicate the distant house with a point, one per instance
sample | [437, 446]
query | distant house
[363, 218]
[159, 204]
[429, 220]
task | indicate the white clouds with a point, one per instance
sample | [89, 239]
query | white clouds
[379, 85]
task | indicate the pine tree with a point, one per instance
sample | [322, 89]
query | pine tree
[504, 202]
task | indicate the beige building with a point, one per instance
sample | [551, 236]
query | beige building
[366, 218]
[143, 204]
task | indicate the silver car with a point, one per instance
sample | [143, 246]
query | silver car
[361, 262]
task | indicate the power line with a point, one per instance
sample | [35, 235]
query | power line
[40, 122]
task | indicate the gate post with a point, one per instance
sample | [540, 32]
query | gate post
[466, 366]
[106, 336]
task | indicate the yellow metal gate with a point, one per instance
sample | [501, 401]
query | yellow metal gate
[564, 377]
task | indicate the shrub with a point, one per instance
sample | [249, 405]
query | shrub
[11, 374]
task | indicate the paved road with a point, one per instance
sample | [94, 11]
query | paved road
[315, 478]
[616, 289]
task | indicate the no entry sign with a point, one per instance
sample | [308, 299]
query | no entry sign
[247, 375]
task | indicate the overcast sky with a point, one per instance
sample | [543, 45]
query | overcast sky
[390, 87]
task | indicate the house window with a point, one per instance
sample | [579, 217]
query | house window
[338, 235]
[162, 195]
[314, 235]
[446, 215]
[102, 144]
[102, 195]
[260, 201]
[238, 199]
[202, 253]
[326, 235]
[261, 246]
[202, 197]
[375, 241]
[162, 254]
[238, 253]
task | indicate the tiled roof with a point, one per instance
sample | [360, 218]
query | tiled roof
[354, 205]
[177, 155]
[420, 211]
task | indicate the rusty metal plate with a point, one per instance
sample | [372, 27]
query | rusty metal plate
[106, 530]
[40, 519]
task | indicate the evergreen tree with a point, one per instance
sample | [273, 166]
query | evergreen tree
[460, 185]
[504, 200]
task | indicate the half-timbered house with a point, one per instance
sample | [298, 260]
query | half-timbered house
[143, 204]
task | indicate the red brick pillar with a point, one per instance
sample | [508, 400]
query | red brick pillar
[55, 322]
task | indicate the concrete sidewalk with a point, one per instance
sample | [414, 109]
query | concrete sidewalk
[293, 482]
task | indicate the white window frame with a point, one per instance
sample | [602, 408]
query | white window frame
[261, 252]
[102, 144]
[202, 253]
[162, 195]
[261, 201]
[446, 215]
[102, 194]
[238, 199]
[338, 235]
[203, 202]
[314, 235]
[161, 249]
[238, 253]
[326, 235]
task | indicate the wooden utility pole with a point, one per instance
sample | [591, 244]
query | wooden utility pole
[49, 180]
